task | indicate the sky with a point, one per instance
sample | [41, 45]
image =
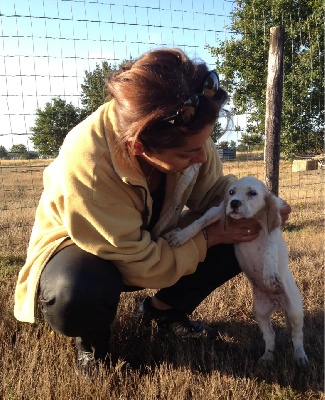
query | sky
[47, 45]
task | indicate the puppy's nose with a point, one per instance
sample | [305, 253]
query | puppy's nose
[235, 204]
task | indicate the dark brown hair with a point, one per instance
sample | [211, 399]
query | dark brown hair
[153, 88]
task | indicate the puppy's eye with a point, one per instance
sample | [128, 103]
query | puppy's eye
[231, 192]
[252, 193]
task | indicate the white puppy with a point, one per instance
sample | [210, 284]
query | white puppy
[263, 260]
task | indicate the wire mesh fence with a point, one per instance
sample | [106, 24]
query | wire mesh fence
[47, 47]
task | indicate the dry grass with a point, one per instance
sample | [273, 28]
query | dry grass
[39, 364]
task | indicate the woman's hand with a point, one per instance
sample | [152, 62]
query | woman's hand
[285, 211]
[234, 231]
[239, 230]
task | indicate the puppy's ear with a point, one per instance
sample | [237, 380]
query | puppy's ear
[272, 212]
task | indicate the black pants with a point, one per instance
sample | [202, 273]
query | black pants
[79, 292]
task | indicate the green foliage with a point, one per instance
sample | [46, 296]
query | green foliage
[18, 152]
[93, 92]
[93, 89]
[223, 144]
[58, 118]
[31, 155]
[3, 153]
[217, 132]
[52, 125]
[242, 60]
[250, 142]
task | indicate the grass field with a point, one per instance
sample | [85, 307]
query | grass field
[36, 363]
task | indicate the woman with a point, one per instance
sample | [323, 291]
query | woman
[119, 183]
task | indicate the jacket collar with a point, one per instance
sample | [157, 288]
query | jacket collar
[130, 173]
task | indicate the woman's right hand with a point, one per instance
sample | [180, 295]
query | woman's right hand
[234, 231]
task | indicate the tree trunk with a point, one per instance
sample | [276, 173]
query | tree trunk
[273, 109]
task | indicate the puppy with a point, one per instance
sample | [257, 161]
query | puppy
[263, 260]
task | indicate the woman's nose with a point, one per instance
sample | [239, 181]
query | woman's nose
[200, 156]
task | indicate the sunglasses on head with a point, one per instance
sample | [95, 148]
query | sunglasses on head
[187, 111]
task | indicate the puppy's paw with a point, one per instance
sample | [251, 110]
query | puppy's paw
[176, 238]
[272, 279]
[266, 359]
[301, 358]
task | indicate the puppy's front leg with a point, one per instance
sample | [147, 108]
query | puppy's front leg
[179, 237]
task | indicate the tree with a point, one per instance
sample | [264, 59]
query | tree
[93, 89]
[31, 155]
[3, 153]
[52, 125]
[18, 151]
[223, 144]
[251, 141]
[217, 132]
[242, 60]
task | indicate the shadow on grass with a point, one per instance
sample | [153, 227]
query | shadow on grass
[235, 354]
[142, 350]
[10, 260]
[296, 227]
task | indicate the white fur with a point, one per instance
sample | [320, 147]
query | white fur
[263, 260]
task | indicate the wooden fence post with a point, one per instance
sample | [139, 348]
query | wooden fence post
[273, 109]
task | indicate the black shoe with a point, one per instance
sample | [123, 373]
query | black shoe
[86, 363]
[92, 352]
[173, 321]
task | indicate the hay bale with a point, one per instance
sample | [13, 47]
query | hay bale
[304, 165]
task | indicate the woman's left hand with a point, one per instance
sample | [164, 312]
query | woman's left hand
[285, 210]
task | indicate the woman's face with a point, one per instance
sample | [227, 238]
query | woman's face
[180, 158]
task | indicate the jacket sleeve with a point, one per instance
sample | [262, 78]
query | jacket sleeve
[107, 222]
[113, 232]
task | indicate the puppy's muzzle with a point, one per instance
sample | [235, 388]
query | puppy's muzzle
[235, 204]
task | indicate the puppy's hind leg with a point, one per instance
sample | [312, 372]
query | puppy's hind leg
[263, 310]
[294, 320]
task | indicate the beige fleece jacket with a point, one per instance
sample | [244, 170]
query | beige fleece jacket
[96, 200]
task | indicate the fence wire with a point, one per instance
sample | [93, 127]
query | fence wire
[47, 45]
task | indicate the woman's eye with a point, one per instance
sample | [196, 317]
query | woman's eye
[185, 156]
